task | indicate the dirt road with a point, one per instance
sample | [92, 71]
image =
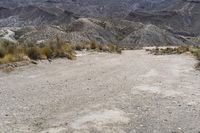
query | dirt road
[103, 93]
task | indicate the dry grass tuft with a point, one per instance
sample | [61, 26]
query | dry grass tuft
[10, 52]
[7, 59]
[194, 50]
[111, 48]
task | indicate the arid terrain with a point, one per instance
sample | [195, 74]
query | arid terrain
[135, 92]
[81, 66]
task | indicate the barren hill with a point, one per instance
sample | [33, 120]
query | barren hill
[121, 32]
[160, 22]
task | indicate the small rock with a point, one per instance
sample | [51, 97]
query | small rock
[165, 120]
[34, 62]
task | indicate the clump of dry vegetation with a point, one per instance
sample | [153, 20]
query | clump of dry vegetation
[9, 52]
[111, 48]
[169, 50]
[13, 52]
[194, 50]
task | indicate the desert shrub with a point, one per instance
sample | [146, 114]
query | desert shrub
[69, 51]
[114, 48]
[86, 46]
[197, 54]
[8, 58]
[118, 50]
[60, 49]
[83, 46]
[11, 52]
[71, 56]
[105, 48]
[34, 53]
[194, 50]
[182, 49]
[2, 52]
[9, 46]
[20, 49]
[20, 52]
[93, 45]
[79, 47]
[111, 48]
[101, 47]
[198, 66]
[169, 50]
[47, 51]
[59, 42]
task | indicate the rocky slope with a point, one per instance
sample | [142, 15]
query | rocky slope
[121, 32]
[34, 15]
[88, 7]
[181, 17]
[163, 20]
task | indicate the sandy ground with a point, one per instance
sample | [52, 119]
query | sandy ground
[103, 93]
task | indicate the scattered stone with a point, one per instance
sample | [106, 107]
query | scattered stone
[34, 62]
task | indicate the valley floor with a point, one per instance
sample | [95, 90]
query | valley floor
[103, 93]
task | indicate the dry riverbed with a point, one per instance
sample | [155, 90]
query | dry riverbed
[135, 92]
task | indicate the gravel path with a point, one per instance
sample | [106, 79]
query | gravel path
[103, 93]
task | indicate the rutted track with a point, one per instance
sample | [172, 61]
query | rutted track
[107, 93]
